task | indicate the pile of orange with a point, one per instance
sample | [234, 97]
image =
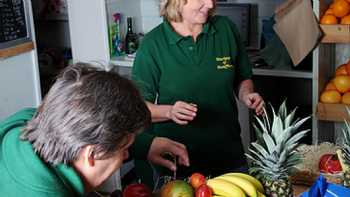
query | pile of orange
[337, 90]
[338, 12]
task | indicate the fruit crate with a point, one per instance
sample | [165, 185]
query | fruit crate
[333, 33]
[332, 112]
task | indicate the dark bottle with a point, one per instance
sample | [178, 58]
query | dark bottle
[131, 41]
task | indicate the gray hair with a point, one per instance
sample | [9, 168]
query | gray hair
[85, 106]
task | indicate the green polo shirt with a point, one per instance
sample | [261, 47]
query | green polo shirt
[24, 173]
[169, 68]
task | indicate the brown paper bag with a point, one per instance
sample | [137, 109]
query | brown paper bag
[297, 27]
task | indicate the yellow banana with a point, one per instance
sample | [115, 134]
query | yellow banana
[224, 188]
[252, 179]
[261, 194]
[242, 183]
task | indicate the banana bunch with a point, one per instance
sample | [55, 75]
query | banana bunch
[236, 184]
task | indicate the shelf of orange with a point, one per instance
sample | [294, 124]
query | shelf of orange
[332, 112]
[335, 21]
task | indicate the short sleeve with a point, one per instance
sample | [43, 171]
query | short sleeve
[145, 71]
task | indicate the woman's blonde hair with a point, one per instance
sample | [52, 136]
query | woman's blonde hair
[171, 9]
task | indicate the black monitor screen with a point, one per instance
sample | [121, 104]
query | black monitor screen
[240, 15]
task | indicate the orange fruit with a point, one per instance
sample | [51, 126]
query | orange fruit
[345, 20]
[332, 5]
[341, 8]
[341, 70]
[347, 66]
[330, 86]
[329, 20]
[329, 11]
[330, 96]
[346, 98]
[342, 83]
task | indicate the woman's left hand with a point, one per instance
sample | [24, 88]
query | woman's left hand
[254, 101]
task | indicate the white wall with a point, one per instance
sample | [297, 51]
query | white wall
[19, 87]
[150, 14]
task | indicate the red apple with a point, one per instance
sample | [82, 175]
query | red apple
[204, 191]
[137, 190]
[329, 163]
[197, 179]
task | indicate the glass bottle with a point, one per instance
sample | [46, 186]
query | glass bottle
[131, 42]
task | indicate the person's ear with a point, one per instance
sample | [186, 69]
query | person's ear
[88, 155]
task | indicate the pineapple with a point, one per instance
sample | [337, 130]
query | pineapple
[273, 156]
[344, 154]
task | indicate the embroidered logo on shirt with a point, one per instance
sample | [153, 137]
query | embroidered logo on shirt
[223, 63]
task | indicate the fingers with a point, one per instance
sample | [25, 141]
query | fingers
[160, 146]
[259, 110]
[182, 112]
[255, 101]
[165, 162]
[180, 151]
[180, 122]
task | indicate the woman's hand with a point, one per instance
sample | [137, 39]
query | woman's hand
[182, 112]
[250, 98]
[254, 101]
[161, 146]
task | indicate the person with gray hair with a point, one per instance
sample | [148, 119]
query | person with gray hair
[77, 138]
[188, 69]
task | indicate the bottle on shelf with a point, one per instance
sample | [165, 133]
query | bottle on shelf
[117, 42]
[131, 40]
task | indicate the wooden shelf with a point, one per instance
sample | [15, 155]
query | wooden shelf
[332, 112]
[15, 50]
[336, 33]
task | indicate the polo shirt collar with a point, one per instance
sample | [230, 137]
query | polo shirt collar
[174, 37]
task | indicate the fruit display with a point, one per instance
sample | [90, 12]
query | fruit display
[338, 12]
[273, 156]
[234, 184]
[337, 90]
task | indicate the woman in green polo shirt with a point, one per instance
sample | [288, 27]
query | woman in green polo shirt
[187, 69]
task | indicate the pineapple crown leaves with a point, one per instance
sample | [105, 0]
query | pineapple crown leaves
[346, 135]
[273, 154]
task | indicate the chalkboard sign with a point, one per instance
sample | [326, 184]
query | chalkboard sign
[14, 23]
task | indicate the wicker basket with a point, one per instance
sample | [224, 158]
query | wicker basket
[308, 172]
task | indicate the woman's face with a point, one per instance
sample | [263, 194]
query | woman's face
[197, 11]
